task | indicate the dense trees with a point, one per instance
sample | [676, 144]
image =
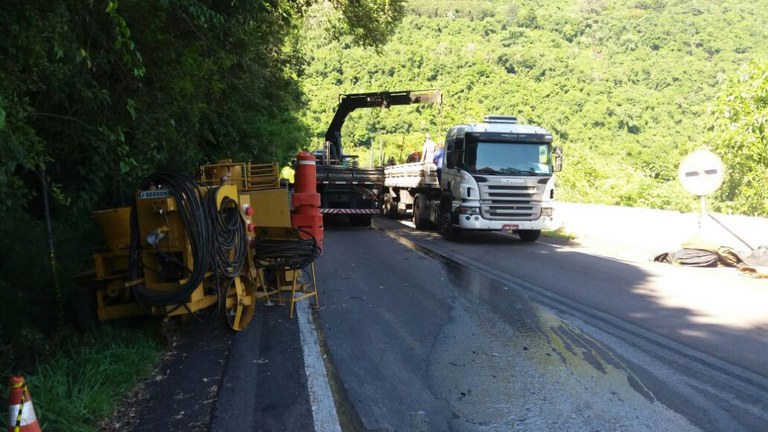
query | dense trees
[740, 136]
[96, 95]
[626, 86]
[103, 93]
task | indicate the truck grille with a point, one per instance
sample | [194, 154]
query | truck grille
[510, 202]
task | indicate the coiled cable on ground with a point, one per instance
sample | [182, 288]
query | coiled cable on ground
[288, 254]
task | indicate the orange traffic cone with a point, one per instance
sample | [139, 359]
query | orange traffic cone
[21, 413]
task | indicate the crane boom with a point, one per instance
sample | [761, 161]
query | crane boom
[384, 99]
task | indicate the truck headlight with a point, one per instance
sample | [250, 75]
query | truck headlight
[469, 210]
[546, 211]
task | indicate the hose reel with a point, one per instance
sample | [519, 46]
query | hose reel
[193, 246]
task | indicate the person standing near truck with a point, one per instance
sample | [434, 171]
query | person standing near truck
[428, 149]
[438, 159]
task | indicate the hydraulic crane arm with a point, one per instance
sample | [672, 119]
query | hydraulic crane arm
[351, 102]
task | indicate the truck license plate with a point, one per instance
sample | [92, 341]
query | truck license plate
[509, 227]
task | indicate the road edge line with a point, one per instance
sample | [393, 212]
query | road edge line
[323, 407]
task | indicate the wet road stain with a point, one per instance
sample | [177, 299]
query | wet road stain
[504, 363]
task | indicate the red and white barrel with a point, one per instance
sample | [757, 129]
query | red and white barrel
[306, 201]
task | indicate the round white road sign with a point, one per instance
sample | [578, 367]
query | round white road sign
[701, 172]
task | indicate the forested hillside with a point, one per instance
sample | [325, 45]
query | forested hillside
[97, 95]
[628, 87]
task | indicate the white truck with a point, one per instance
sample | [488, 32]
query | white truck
[497, 175]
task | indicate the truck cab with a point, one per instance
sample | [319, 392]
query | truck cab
[498, 175]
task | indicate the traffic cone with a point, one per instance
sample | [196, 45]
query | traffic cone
[21, 413]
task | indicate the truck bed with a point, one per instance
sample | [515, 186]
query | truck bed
[340, 174]
[411, 175]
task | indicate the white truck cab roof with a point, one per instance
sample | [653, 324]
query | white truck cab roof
[498, 124]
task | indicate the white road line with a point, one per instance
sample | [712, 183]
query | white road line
[323, 407]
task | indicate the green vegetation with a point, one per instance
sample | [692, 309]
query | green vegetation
[740, 128]
[94, 97]
[82, 377]
[559, 233]
[97, 95]
[627, 87]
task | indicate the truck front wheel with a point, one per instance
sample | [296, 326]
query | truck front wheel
[529, 235]
[449, 231]
[419, 222]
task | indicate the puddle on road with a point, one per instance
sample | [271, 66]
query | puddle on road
[504, 363]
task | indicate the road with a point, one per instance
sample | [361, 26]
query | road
[494, 334]
[487, 334]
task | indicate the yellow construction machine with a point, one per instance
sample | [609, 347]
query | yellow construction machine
[219, 243]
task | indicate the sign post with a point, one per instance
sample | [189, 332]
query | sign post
[701, 173]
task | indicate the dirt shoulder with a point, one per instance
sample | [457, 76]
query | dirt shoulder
[638, 234]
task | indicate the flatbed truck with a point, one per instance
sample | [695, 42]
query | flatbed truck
[497, 175]
[344, 187]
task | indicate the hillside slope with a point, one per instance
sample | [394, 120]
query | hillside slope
[625, 86]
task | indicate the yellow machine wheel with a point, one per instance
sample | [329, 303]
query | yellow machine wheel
[240, 303]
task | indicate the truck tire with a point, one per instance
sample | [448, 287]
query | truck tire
[389, 209]
[449, 231]
[419, 222]
[529, 235]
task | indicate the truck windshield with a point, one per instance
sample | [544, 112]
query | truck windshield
[509, 158]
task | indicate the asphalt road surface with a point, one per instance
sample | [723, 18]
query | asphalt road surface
[494, 334]
[489, 333]
[214, 379]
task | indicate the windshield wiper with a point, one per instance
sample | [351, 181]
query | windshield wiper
[516, 171]
[487, 170]
[508, 171]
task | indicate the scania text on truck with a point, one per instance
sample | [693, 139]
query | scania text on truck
[497, 175]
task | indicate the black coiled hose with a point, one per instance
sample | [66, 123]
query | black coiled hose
[216, 237]
[288, 254]
[189, 201]
[230, 242]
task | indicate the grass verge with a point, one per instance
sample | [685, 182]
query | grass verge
[559, 233]
[84, 381]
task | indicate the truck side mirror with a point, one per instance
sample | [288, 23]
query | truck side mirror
[558, 162]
